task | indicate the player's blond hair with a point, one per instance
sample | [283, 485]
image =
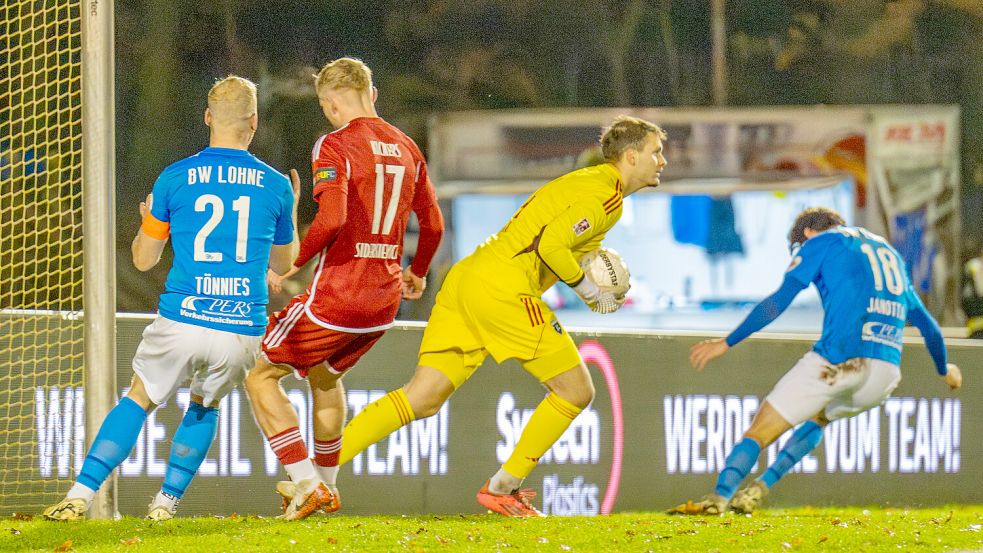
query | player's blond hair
[625, 133]
[343, 74]
[232, 101]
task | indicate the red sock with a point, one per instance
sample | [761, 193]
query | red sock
[326, 452]
[289, 446]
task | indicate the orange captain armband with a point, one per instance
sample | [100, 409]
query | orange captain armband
[155, 228]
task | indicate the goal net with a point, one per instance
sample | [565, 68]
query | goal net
[41, 331]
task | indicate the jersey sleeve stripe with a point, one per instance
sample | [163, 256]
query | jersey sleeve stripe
[317, 148]
[155, 228]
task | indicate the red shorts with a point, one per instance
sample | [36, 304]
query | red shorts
[293, 339]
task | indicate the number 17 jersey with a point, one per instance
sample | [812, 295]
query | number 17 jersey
[382, 176]
[225, 209]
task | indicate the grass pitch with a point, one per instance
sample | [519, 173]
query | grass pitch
[802, 529]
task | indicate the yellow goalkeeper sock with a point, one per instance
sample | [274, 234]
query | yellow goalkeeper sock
[546, 425]
[378, 420]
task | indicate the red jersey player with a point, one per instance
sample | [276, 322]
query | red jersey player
[368, 176]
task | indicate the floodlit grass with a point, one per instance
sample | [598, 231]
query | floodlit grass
[803, 529]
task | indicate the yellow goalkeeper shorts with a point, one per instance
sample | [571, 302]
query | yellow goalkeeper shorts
[475, 316]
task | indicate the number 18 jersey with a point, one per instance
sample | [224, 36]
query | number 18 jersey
[865, 292]
[225, 209]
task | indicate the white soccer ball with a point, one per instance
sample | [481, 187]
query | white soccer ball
[605, 268]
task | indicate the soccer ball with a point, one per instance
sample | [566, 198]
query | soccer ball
[606, 269]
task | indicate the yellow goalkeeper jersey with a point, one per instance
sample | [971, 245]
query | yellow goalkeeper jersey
[552, 230]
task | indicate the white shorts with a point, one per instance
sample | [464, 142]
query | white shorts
[815, 385]
[172, 352]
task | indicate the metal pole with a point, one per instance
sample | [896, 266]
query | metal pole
[718, 23]
[99, 229]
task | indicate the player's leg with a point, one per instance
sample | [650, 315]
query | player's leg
[191, 442]
[796, 398]
[159, 366]
[293, 343]
[570, 392]
[223, 360]
[277, 418]
[278, 421]
[530, 332]
[113, 443]
[856, 386]
[329, 410]
[449, 354]
[421, 397]
[805, 439]
[767, 426]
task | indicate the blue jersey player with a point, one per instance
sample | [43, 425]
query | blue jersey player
[867, 298]
[230, 218]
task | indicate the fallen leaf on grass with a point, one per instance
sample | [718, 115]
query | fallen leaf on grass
[14, 531]
[130, 541]
[66, 546]
[22, 516]
[332, 540]
[823, 539]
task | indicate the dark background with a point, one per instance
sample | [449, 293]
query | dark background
[431, 56]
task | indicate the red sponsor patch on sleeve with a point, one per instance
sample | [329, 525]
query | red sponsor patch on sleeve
[581, 227]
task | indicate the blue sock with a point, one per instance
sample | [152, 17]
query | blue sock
[803, 440]
[739, 463]
[113, 443]
[191, 443]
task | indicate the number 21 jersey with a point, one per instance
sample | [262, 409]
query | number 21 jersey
[225, 208]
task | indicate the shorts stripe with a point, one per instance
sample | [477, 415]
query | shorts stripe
[529, 311]
[285, 326]
[279, 325]
[539, 313]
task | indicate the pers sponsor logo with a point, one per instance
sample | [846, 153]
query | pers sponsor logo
[882, 333]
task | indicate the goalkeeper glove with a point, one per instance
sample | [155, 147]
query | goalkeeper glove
[598, 300]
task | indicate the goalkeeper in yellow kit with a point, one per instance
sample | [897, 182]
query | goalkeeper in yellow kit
[490, 304]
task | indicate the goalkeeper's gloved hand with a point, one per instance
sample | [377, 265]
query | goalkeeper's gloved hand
[598, 300]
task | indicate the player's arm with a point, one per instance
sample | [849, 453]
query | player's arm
[558, 237]
[282, 254]
[578, 223]
[431, 232]
[929, 327]
[761, 316]
[332, 213]
[150, 240]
